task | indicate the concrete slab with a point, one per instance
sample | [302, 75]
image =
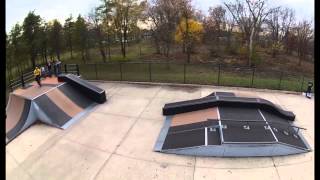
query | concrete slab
[124, 105]
[239, 174]
[303, 171]
[140, 141]
[68, 160]
[11, 163]
[179, 93]
[101, 131]
[120, 167]
[30, 140]
[154, 109]
[234, 163]
[110, 88]
[144, 91]
[294, 159]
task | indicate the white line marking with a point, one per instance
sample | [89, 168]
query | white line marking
[48, 90]
[268, 125]
[206, 136]
[220, 126]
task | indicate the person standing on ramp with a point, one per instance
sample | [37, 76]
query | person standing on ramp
[37, 74]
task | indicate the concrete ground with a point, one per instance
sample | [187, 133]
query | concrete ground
[116, 140]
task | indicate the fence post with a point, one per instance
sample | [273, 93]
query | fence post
[120, 71]
[78, 72]
[253, 71]
[65, 68]
[95, 69]
[150, 79]
[184, 73]
[219, 74]
[302, 84]
[280, 80]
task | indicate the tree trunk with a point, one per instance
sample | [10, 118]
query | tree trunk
[125, 42]
[188, 40]
[71, 51]
[58, 55]
[82, 55]
[102, 52]
[251, 46]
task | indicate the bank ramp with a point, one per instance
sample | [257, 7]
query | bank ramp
[56, 103]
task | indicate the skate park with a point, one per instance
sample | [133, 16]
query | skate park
[116, 139]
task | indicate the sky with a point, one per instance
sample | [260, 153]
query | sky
[17, 10]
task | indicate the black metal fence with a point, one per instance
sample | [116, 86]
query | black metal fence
[204, 73]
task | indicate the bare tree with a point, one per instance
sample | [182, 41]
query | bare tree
[287, 19]
[95, 19]
[304, 36]
[249, 16]
[279, 22]
[164, 15]
[215, 24]
[186, 13]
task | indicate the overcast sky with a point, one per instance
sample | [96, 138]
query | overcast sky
[16, 10]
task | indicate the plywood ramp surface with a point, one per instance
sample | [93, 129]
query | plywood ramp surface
[14, 111]
[194, 116]
[64, 103]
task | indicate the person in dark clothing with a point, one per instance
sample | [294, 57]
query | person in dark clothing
[37, 74]
[55, 68]
[309, 89]
[49, 68]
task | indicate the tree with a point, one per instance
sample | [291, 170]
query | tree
[105, 11]
[43, 35]
[15, 47]
[68, 31]
[287, 19]
[165, 15]
[249, 16]
[126, 15]
[279, 22]
[214, 24]
[304, 36]
[31, 26]
[186, 13]
[95, 19]
[195, 32]
[80, 37]
[56, 37]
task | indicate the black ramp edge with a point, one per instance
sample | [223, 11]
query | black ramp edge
[184, 139]
[190, 126]
[239, 113]
[288, 138]
[93, 92]
[273, 118]
[235, 132]
[226, 94]
[24, 116]
[77, 97]
[213, 101]
[52, 110]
